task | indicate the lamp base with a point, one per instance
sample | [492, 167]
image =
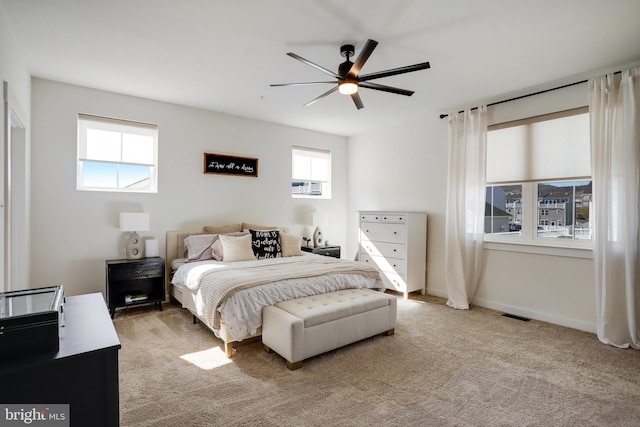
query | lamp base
[134, 246]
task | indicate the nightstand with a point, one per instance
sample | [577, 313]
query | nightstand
[333, 251]
[133, 282]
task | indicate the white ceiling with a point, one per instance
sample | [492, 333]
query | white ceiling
[223, 55]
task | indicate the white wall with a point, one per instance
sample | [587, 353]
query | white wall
[74, 232]
[405, 168]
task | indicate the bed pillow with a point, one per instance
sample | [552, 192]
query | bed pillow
[222, 229]
[198, 247]
[290, 245]
[266, 243]
[216, 249]
[236, 248]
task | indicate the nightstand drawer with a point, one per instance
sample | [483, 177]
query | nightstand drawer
[135, 270]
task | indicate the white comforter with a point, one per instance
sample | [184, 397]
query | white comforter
[241, 310]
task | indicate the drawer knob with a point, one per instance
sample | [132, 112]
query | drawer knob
[395, 232]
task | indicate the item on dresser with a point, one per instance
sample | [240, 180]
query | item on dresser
[30, 321]
[228, 297]
[395, 242]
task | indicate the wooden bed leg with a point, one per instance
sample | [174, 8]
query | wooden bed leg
[266, 348]
[390, 332]
[229, 349]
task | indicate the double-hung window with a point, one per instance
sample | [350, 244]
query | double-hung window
[539, 181]
[117, 155]
[310, 172]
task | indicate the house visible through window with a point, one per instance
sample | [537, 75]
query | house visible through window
[117, 155]
[310, 172]
[539, 180]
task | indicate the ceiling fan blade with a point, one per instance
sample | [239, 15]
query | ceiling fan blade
[357, 100]
[313, 64]
[394, 71]
[365, 52]
[329, 92]
[300, 84]
[384, 88]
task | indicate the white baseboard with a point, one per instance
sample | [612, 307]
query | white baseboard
[523, 312]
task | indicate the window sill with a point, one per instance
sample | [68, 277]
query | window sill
[533, 248]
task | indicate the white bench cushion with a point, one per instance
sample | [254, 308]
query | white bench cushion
[323, 308]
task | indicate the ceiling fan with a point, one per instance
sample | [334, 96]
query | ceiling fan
[349, 78]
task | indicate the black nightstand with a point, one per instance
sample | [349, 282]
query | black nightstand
[333, 251]
[132, 282]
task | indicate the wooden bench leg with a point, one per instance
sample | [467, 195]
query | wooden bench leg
[294, 366]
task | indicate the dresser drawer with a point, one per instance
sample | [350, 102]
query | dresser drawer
[380, 232]
[387, 265]
[135, 270]
[390, 250]
[382, 217]
[395, 281]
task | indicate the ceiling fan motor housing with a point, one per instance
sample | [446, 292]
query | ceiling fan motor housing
[347, 50]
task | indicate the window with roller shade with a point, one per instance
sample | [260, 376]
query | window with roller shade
[116, 155]
[310, 173]
[539, 180]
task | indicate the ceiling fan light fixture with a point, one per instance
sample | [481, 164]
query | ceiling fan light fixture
[347, 87]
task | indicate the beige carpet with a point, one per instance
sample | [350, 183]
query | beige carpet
[443, 367]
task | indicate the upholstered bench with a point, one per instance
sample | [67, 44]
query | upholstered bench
[305, 327]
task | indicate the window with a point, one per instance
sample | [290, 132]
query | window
[310, 172]
[539, 180]
[116, 155]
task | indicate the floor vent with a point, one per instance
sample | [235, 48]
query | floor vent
[513, 316]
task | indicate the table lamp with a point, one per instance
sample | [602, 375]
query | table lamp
[133, 222]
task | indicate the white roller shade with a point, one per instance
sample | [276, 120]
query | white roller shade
[106, 140]
[540, 149]
[310, 164]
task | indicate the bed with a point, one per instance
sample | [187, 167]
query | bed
[227, 290]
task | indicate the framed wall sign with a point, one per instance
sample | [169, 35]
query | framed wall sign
[230, 165]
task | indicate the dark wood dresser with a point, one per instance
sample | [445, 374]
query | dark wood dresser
[83, 373]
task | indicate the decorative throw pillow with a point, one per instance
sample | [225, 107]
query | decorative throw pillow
[237, 248]
[198, 246]
[290, 245]
[266, 243]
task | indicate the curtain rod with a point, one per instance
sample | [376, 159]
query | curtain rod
[442, 116]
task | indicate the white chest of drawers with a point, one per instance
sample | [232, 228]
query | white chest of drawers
[396, 243]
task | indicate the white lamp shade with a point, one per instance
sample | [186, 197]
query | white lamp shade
[134, 221]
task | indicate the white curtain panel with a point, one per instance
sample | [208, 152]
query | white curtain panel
[614, 108]
[464, 229]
